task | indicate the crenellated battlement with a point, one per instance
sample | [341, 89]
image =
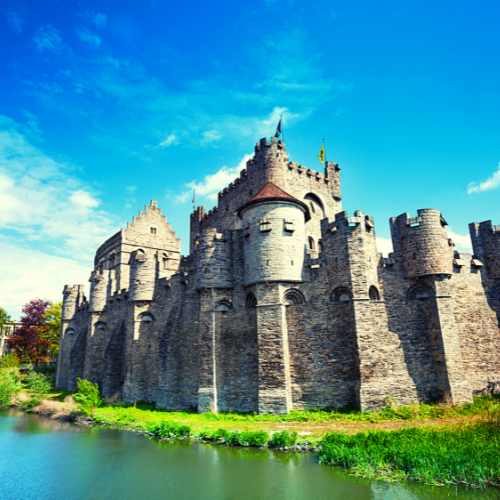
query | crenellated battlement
[343, 224]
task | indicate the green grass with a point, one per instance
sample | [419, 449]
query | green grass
[466, 453]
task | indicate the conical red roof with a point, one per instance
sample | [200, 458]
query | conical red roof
[272, 192]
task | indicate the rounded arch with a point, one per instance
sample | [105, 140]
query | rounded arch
[373, 293]
[146, 317]
[293, 297]
[341, 294]
[420, 291]
[310, 243]
[100, 325]
[251, 302]
[140, 254]
[164, 260]
[315, 204]
[111, 259]
[69, 331]
[223, 305]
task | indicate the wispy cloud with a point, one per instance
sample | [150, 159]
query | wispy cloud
[212, 184]
[491, 183]
[42, 199]
[88, 37]
[47, 38]
[210, 136]
[14, 21]
[98, 19]
[169, 141]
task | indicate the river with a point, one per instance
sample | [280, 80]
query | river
[44, 459]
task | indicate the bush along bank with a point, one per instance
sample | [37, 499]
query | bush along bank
[466, 453]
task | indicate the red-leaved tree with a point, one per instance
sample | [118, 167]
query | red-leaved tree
[26, 341]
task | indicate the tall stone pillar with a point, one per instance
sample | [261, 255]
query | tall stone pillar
[275, 394]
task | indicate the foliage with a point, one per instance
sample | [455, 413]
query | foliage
[10, 361]
[4, 317]
[9, 384]
[170, 429]
[45, 368]
[283, 439]
[26, 341]
[463, 453]
[87, 398]
[38, 383]
[52, 332]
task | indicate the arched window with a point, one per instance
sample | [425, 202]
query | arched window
[100, 325]
[111, 260]
[223, 306]
[315, 204]
[311, 243]
[70, 331]
[341, 294]
[251, 302]
[146, 317]
[140, 254]
[420, 291]
[373, 293]
[164, 259]
[101, 266]
[294, 297]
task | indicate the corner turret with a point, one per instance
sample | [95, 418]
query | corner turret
[486, 243]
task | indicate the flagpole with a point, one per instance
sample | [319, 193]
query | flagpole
[282, 130]
[324, 149]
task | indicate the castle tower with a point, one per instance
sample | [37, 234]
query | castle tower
[142, 276]
[424, 244]
[427, 261]
[98, 290]
[274, 236]
[274, 249]
[213, 260]
[486, 243]
[351, 259]
[72, 299]
[269, 162]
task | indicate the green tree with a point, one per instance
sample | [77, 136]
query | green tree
[52, 332]
[4, 317]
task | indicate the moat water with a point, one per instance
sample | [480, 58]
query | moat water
[42, 459]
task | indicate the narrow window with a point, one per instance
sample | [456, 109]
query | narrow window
[153, 230]
[311, 243]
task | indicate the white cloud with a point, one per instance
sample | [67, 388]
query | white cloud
[88, 37]
[169, 141]
[210, 187]
[28, 274]
[210, 136]
[14, 21]
[491, 183]
[42, 199]
[47, 38]
[462, 243]
[384, 246]
[97, 18]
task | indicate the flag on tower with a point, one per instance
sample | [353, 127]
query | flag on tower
[321, 154]
[278, 130]
[194, 200]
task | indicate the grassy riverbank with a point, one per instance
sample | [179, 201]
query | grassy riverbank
[433, 443]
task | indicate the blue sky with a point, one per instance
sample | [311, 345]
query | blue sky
[107, 105]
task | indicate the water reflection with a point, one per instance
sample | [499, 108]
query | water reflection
[45, 459]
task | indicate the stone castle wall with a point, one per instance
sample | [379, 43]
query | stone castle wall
[270, 313]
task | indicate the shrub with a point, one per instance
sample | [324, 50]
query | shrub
[170, 429]
[87, 398]
[10, 361]
[38, 383]
[283, 438]
[9, 384]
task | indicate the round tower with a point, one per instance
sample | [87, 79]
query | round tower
[142, 276]
[274, 236]
[213, 260]
[269, 162]
[98, 290]
[486, 243]
[424, 244]
[72, 298]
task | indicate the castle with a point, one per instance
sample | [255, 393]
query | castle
[284, 303]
